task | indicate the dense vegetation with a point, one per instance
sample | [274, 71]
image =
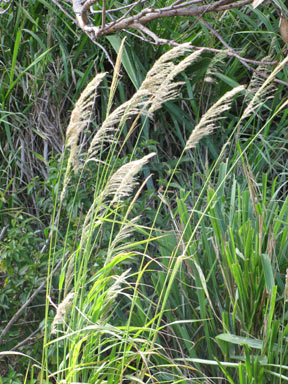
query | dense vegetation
[143, 208]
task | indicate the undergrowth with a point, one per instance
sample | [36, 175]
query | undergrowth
[192, 292]
[178, 277]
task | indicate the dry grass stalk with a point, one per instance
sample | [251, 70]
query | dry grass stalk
[208, 121]
[115, 78]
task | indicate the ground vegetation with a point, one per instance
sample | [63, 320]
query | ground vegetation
[143, 192]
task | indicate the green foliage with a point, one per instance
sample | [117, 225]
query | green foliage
[195, 287]
[12, 377]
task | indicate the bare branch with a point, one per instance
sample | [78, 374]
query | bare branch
[235, 54]
[132, 17]
[150, 14]
[88, 4]
[185, 9]
[113, 10]
[103, 14]
[63, 10]
[9, 2]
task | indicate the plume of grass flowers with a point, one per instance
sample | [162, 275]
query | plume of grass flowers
[107, 131]
[157, 88]
[159, 81]
[216, 65]
[256, 94]
[208, 121]
[119, 186]
[62, 311]
[80, 117]
[262, 92]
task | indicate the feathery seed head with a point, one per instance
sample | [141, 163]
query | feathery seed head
[160, 82]
[157, 88]
[119, 186]
[123, 181]
[264, 91]
[116, 118]
[216, 65]
[208, 121]
[81, 112]
[256, 94]
[78, 121]
[124, 233]
[62, 310]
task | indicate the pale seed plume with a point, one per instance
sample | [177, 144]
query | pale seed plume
[80, 115]
[159, 80]
[119, 186]
[157, 88]
[216, 65]
[78, 121]
[69, 274]
[115, 289]
[106, 133]
[168, 89]
[256, 94]
[123, 181]
[208, 121]
[62, 311]
[259, 95]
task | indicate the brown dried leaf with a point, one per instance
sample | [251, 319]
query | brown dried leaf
[284, 29]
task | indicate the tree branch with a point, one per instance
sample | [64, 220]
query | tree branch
[235, 54]
[186, 9]
[127, 21]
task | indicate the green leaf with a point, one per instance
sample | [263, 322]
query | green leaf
[239, 340]
[115, 41]
[15, 53]
[227, 80]
[268, 272]
[39, 157]
[37, 60]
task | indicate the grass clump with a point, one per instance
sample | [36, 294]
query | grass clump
[194, 291]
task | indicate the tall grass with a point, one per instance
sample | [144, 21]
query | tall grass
[178, 272]
[195, 294]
